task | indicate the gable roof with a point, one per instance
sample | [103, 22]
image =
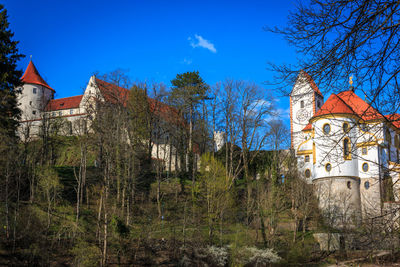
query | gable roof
[310, 81]
[64, 103]
[348, 102]
[116, 94]
[112, 93]
[32, 76]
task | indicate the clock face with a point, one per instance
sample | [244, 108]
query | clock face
[302, 115]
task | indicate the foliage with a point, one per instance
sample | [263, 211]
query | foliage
[219, 255]
[339, 39]
[257, 256]
[86, 254]
[9, 78]
[188, 89]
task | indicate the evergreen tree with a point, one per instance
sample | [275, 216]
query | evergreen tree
[9, 78]
[189, 89]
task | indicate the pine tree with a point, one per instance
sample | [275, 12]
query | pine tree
[189, 89]
[9, 78]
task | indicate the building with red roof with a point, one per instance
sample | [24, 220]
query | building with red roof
[76, 112]
[347, 149]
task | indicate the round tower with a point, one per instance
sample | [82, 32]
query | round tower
[35, 94]
[219, 140]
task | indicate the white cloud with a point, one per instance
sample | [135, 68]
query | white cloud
[283, 113]
[280, 114]
[199, 41]
[187, 61]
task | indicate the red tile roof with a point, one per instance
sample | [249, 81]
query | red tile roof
[64, 103]
[112, 93]
[311, 82]
[348, 102]
[116, 94]
[360, 107]
[32, 76]
[394, 119]
[308, 127]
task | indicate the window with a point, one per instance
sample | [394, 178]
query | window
[364, 150]
[364, 127]
[307, 173]
[33, 112]
[60, 113]
[302, 104]
[365, 167]
[346, 127]
[307, 158]
[349, 185]
[318, 104]
[396, 141]
[53, 114]
[366, 185]
[30, 103]
[328, 167]
[388, 137]
[71, 111]
[34, 90]
[326, 128]
[346, 149]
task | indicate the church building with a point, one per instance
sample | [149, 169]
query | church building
[347, 150]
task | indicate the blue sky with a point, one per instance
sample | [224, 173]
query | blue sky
[150, 40]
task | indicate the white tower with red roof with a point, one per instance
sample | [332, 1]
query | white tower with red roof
[305, 100]
[35, 94]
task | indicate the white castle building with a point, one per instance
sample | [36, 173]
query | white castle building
[347, 150]
[38, 105]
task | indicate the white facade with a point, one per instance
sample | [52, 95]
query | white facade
[350, 157]
[71, 115]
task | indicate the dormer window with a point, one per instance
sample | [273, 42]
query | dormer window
[34, 90]
[302, 104]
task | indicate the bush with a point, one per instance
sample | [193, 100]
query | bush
[86, 254]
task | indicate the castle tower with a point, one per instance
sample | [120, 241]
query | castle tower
[35, 94]
[305, 100]
[219, 140]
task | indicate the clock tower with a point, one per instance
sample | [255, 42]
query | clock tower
[305, 100]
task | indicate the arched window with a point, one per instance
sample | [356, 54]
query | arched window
[366, 185]
[307, 173]
[346, 149]
[349, 185]
[365, 167]
[346, 127]
[328, 167]
[326, 128]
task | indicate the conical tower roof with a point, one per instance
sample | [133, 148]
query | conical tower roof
[32, 76]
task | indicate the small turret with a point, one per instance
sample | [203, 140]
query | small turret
[35, 93]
